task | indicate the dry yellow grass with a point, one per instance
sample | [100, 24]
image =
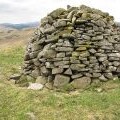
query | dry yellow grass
[10, 38]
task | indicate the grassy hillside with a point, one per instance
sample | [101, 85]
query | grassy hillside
[18, 103]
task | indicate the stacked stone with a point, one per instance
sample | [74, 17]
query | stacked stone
[77, 45]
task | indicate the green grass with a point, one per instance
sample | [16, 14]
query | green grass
[16, 102]
[11, 59]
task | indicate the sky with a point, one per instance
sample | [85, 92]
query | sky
[23, 11]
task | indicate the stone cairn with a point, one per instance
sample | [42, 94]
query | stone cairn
[76, 46]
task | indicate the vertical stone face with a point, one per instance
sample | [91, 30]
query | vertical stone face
[74, 45]
[81, 83]
[61, 80]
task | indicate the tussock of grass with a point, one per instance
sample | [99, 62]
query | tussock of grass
[16, 102]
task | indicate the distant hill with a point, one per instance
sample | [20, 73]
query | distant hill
[19, 26]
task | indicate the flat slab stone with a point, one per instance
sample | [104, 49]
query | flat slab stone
[64, 49]
[61, 63]
[57, 70]
[76, 76]
[77, 67]
[35, 86]
[15, 76]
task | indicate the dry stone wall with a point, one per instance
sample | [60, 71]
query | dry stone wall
[77, 46]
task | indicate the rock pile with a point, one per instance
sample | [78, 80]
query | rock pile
[74, 46]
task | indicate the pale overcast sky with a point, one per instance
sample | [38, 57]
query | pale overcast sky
[21, 11]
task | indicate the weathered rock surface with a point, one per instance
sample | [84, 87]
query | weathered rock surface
[81, 83]
[61, 80]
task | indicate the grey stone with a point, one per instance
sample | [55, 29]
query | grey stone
[118, 69]
[100, 37]
[86, 37]
[72, 60]
[60, 63]
[114, 55]
[79, 21]
[70, 15]
[82, 48]
[64, 66]
[88, 74]
[60, 23]
[117, 47]
[102, 78]
[42, 80]
[33, 54]
[36, 47]
[57, 12]
[46, 47]
[108, 75]
[35, 73]
[67, 44]
[57, 70]
[104, 42]
[74, 20]
[100, 23]
[49, 85]
[101, 59]
[50, 54]
[114, 59]
[36, 62]
[115, 63]
[64, 49]
[15, 76]
[49, 30]
[86, 62]
[81, 83]
[92, 51]
[96, 75]
[77, 67]
[68, 36]
[49, 65]
[35, 86]
[84, 54]
[46, 20]
[61, 80]
[44, 70]
[66, 59]
[52, 39]
[76, 76]
[107, 47]
[68, 72]
[61, 55]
